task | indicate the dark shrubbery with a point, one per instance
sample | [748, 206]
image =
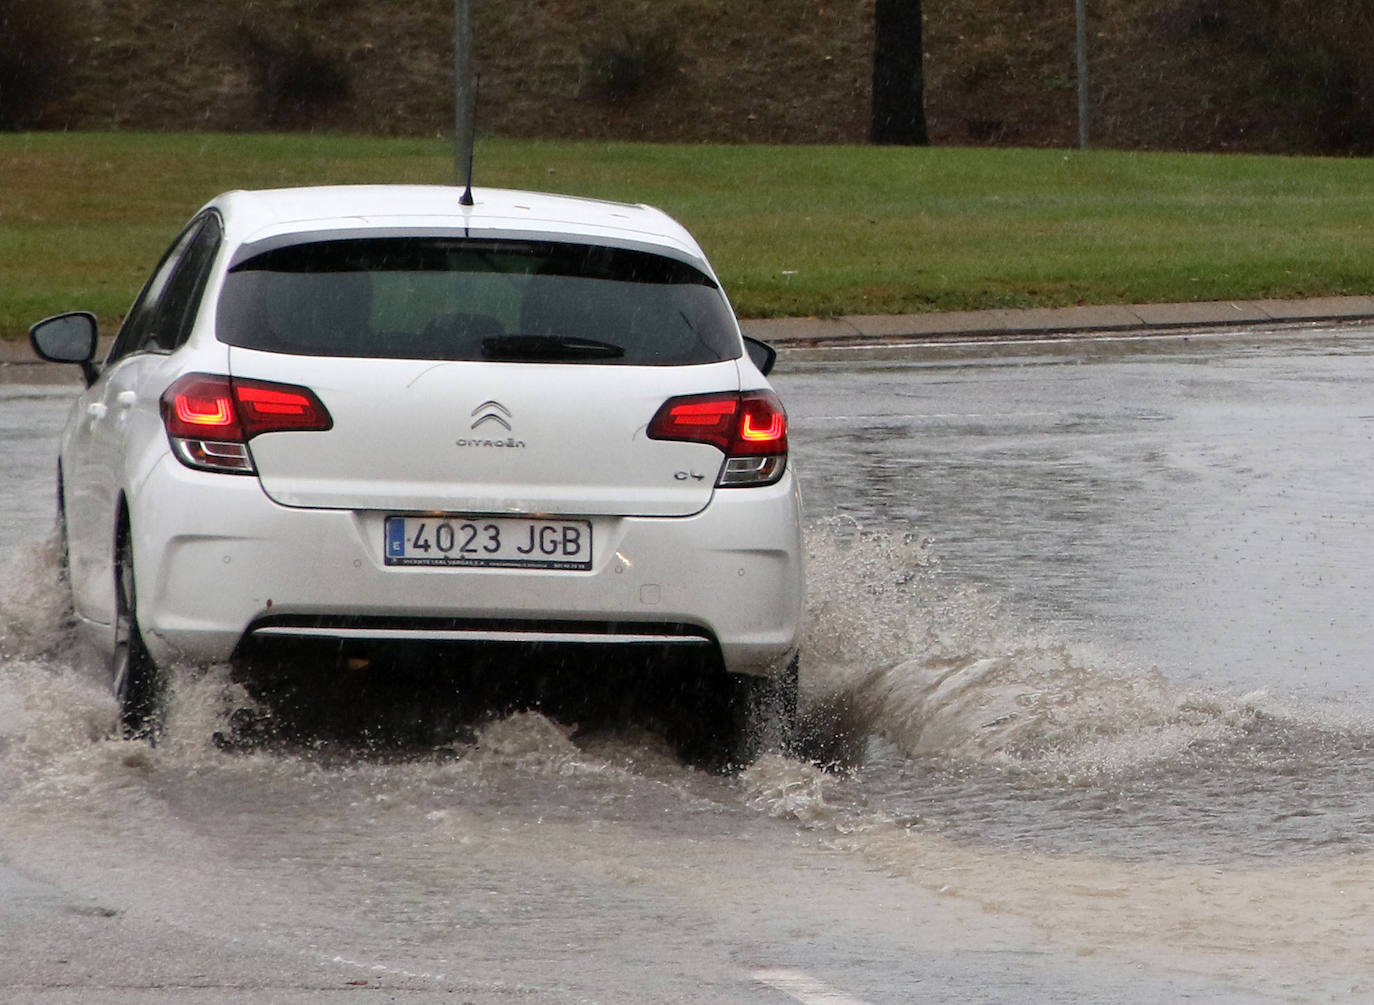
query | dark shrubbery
[296, 77]
[1322, 62]
[633, 62]
[1316, 59]
[36, 47]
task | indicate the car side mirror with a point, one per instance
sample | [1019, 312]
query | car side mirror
[763, 354]
[68, 338]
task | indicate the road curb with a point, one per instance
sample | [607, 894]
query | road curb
[1031, 322]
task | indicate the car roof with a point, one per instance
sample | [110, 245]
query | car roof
[266, 217]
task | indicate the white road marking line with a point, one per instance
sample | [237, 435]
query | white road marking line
[378, 968]
[803, 987]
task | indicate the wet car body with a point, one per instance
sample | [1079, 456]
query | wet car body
[370, 415]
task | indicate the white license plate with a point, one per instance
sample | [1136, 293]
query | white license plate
[489, 542]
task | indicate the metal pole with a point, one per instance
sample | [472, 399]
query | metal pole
[463, 85]
[1081, 15]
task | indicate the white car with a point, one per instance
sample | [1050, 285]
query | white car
[372, 416]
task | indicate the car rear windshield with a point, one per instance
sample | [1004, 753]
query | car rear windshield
[463, 299]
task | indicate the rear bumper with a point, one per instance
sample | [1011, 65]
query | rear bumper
[225, 560]
[466, 631]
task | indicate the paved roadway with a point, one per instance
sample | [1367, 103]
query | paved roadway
[60, 945]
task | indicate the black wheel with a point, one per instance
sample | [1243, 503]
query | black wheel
[738, 717]
[64, 569]
[64, 562]
[137, 681]
[763, 716]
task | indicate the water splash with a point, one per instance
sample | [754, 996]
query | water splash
[35, 603]
[945, 712]
[897, 650]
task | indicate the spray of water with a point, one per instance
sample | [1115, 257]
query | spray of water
[35, 605]
[898, 651]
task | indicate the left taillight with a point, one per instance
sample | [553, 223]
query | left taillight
[749, 427]
[210, 418]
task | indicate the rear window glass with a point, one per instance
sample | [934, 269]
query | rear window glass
[461, 299]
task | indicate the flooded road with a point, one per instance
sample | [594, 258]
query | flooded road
[1142, 572]
[1087, 649]
[1202, 508]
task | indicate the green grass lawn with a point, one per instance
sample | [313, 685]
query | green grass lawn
[792, 230]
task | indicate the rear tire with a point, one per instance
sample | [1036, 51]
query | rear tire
[741, 718]
[764, 716]
[64, 565]
[138, 683]
[64, 558]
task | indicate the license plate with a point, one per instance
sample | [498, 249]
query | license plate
[489, 542]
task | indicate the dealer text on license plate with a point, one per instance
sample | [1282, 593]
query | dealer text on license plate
[492, 542]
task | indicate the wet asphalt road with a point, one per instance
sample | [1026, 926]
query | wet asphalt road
[1018, 486]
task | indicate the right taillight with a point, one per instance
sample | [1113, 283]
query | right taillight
[749, 427]
[210, 418]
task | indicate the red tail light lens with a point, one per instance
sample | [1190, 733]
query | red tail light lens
[210, 418]
[277, 408]
[198, 405]
[762, 425]
[750, 428]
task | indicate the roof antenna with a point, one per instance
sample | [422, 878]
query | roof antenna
[465, 98]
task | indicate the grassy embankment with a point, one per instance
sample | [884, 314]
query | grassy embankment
[792, 230]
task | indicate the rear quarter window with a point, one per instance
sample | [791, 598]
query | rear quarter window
[463, 299]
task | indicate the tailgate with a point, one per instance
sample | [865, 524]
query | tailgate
[486, 437]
